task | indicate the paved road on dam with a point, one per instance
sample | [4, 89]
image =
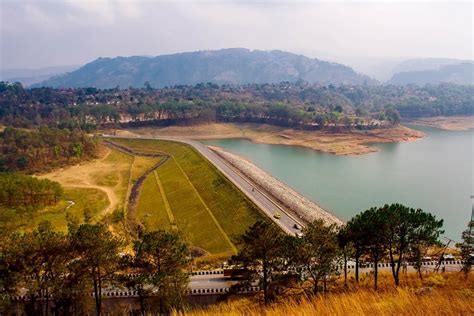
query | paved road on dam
[216, 279]
[261, 199]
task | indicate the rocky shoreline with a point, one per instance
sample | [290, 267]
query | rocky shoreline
[302, 207]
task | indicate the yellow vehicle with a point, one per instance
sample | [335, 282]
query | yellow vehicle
[277, 215]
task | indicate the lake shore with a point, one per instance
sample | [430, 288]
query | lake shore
[449, 123]
[304, 208]
[353, 142]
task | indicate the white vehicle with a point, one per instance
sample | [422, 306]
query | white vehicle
[448, 257]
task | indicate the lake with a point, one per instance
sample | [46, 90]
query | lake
[434, 173]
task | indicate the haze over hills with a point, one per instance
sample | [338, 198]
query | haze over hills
[419, 64]
[383, 69]
[240, 66]
[29, 77]
[225, 66]
[457, 73]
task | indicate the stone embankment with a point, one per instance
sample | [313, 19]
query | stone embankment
[299, 205]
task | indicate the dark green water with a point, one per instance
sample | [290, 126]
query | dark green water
[434, 173]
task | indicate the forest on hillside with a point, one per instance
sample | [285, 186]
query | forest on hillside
[44, 149]
[286, 104]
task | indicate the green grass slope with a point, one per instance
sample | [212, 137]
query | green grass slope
[206, 207]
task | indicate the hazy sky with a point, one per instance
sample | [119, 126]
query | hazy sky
[50, 33]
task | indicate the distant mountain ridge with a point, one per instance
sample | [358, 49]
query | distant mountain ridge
[384, 68]
[31, 76]
[225, 66]
[458, 73]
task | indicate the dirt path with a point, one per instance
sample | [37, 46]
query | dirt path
[111, 196]
[79, 176]
[135, 189]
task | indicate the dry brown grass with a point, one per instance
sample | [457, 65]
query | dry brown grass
[109, 174]
[450, 294]
[338, 143]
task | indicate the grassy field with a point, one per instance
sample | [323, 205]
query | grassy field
[186, 194]
[92, 199]
[109, 174]
[114, 172]
[438, 294]
[204, 205]
[151, 208]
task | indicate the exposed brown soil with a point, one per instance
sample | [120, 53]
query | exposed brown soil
[79, 176]
[450, 123]
[339, 143]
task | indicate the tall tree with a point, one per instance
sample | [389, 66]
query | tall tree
[408, 230]
[160, 260]
[375, 238]
[316, 252]
[97, 252]
[467, 248]
[345, 248]
[37, 261]
[261, 249]
[356, 230]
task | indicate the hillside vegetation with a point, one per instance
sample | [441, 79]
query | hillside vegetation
[32, 151]
[461, 73]
[303, 106]
[226, 66]
[26, 201]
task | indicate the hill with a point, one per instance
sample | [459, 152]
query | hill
[383, 69]
[226, 66]
[461, 74]
[419, 64]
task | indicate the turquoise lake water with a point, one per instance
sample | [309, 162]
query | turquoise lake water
[434, 173]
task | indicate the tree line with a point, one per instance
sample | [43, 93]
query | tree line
[44, 148]
[288, 104]
[279, 263]
[20, 191]
[59, 271]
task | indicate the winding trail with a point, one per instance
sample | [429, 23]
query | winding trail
[71, 203]
[135, 190]
[113, 201]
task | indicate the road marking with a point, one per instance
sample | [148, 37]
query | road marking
[165, 202]
[256, 188]
[267, 212]
[234, 249]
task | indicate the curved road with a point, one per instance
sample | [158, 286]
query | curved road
[263, 201]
